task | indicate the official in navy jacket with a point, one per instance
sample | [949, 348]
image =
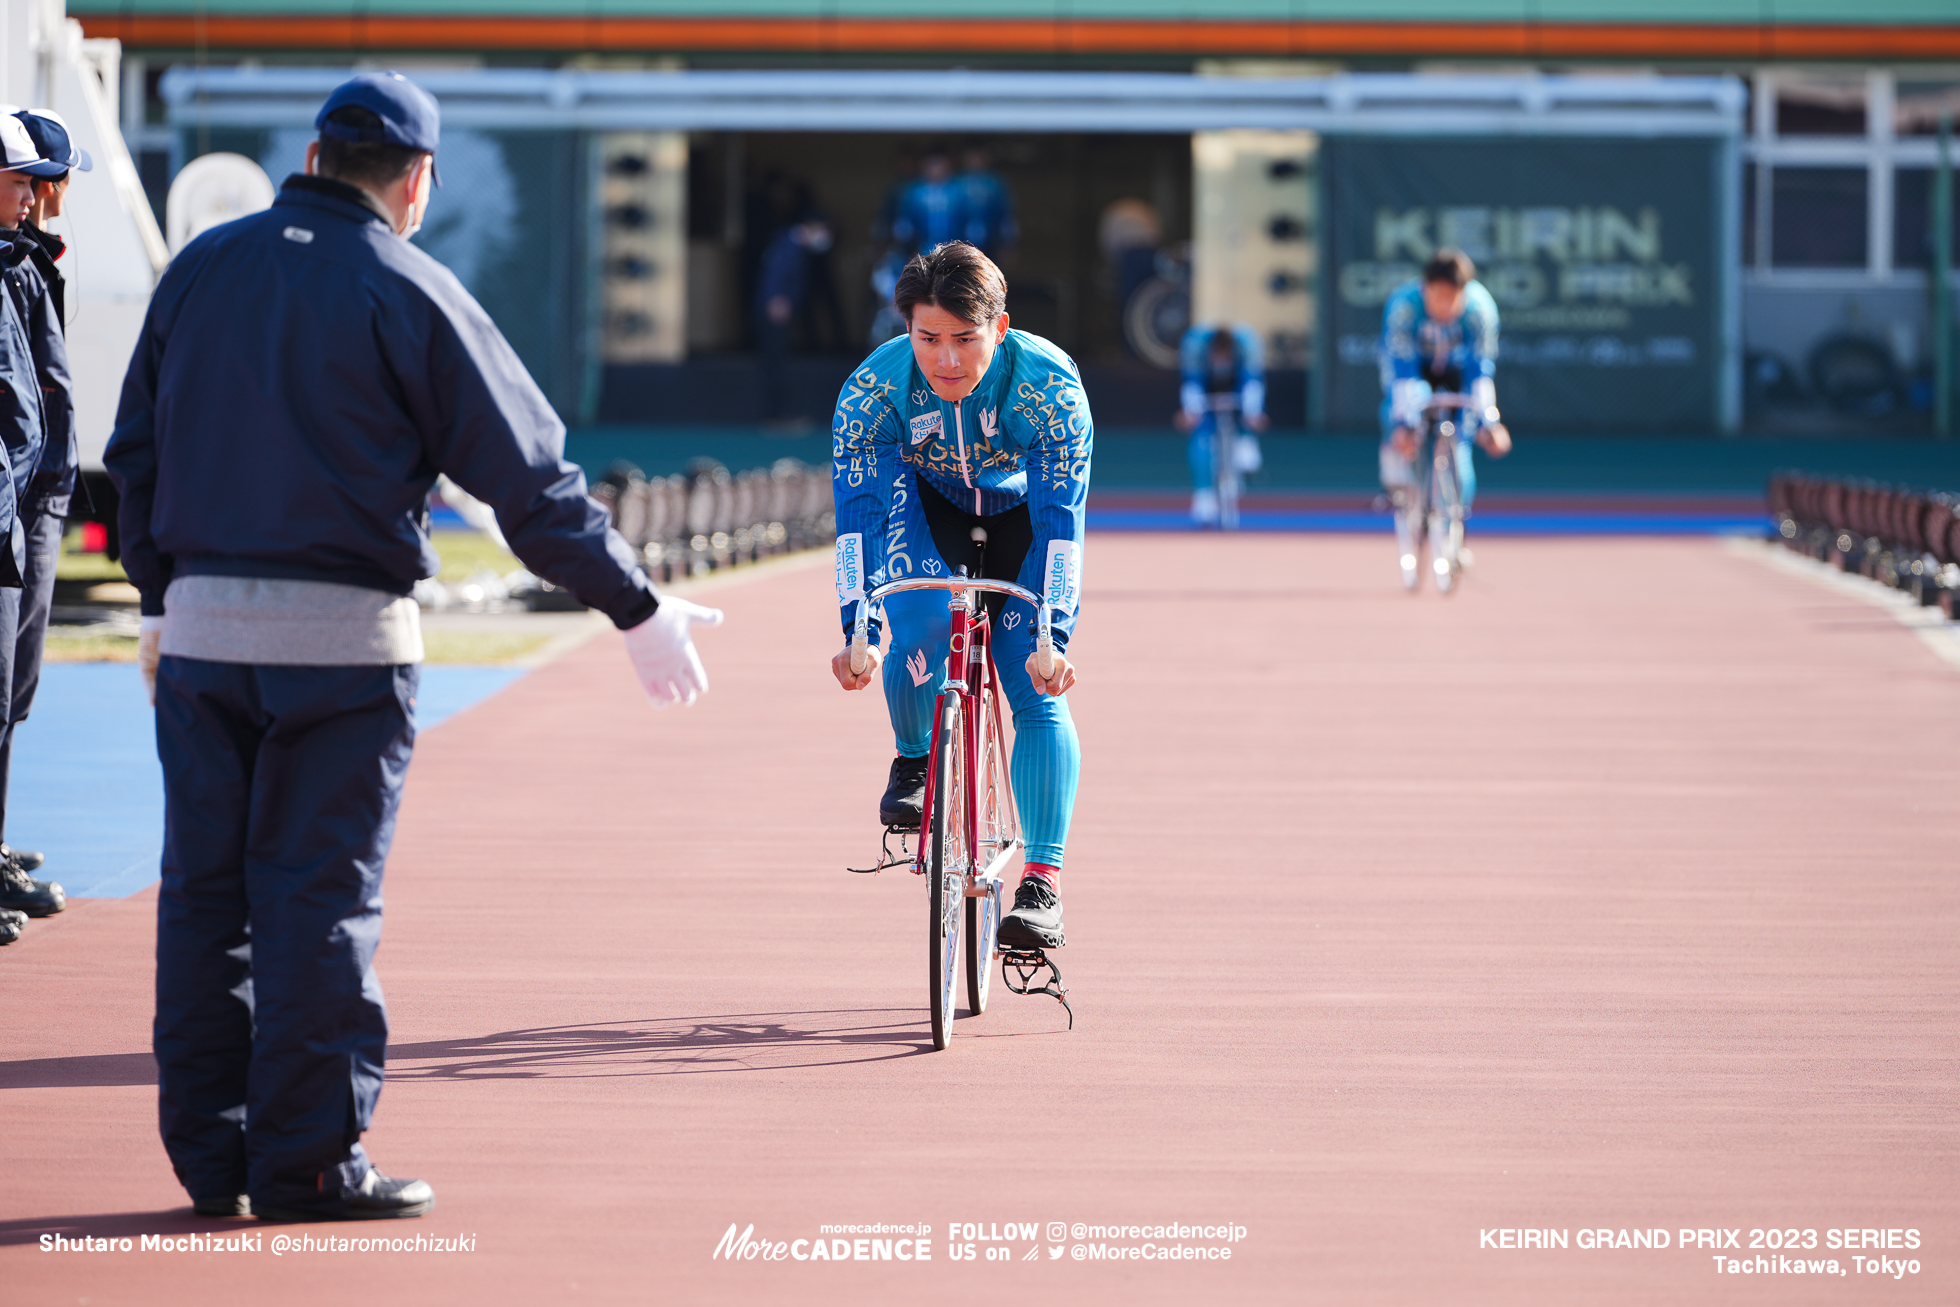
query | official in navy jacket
[37, 283]
[303, 376]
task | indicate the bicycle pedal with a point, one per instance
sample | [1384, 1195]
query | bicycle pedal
[1024, 965]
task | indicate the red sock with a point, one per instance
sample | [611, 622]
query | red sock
[1043, 872]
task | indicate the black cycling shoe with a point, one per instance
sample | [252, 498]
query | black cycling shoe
[11, 925]
[378, 1199]
[1036, 918]
[22, 893]
[28, 861]
[905, 794]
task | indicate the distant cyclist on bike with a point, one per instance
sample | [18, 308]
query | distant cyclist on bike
[965, 444]
[1220, 361]
[1439, 334]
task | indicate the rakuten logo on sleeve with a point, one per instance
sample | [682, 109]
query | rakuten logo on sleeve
[1062, 583]
[850, 567]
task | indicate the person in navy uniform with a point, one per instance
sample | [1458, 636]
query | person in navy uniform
[303, 376]
[24, 423]
[44, 506]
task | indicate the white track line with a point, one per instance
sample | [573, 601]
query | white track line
[1929, 624]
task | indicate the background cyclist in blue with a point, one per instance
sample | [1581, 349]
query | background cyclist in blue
[965, 444]
[989, 205]
[1220, 360]
[1439, 333]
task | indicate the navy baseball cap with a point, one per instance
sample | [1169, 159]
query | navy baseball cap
[408, 113]
[17, 152]
[49, 132]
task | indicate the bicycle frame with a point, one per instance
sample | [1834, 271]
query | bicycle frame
[970, 672]
[989, 824]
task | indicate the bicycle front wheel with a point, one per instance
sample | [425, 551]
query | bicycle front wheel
[947, 856]
[1445, 517]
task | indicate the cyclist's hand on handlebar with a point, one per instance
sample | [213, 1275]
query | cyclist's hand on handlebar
[840, 667]
[1495, 438]
[1184, 421]
[1058, 684]
[1404, 441]
[1257, 422]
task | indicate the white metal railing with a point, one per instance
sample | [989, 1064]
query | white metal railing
[771, 100]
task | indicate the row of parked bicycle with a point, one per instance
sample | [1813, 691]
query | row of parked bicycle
[1907, 539]
[708, 518]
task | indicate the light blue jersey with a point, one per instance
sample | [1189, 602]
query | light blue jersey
[1023, 436]
[1022, 440]
[1415, 348]
[1420, 356]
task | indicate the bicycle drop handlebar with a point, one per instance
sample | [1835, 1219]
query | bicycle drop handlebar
[1044, 641]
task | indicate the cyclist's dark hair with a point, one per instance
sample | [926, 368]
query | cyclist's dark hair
[1452, 266]
[374, 164]
[955, 277]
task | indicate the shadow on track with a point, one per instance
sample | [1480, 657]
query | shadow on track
[101, 1069]
[745, 1041]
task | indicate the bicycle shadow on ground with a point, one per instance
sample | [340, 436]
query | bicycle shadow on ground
[748, 1041]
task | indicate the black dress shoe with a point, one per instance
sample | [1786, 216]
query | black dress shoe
[11, 925]
[28, 861]
[905, 793]
[22, 893]
[378, 1199]
[230, 1205]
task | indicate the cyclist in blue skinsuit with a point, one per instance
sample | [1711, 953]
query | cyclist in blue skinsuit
[965, 444]
[1438, 334]
[1220, 360]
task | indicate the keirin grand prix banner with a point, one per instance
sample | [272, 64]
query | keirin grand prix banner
[1604, 256]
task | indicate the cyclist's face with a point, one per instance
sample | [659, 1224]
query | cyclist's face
[953, 354]
[1443, 301]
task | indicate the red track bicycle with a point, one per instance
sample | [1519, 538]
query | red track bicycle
[971, 832]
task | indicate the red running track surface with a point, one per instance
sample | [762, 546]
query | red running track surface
[1615, 891]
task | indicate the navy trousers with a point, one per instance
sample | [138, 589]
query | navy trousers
[281, 786]
[23, 672]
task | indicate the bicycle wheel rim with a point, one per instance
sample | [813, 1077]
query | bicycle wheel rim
[998, 828]
[945, 872]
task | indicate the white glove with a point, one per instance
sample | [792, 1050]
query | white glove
[663, 652]
[149, 648]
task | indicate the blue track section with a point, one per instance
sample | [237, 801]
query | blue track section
[88, 792]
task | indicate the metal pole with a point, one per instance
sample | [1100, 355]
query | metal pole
[1942, 281]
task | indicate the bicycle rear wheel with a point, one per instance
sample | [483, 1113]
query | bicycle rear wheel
[998, 832]
[947, 857]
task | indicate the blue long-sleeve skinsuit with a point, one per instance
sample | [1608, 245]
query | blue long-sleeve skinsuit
[1013, 454]
[1420, 355]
